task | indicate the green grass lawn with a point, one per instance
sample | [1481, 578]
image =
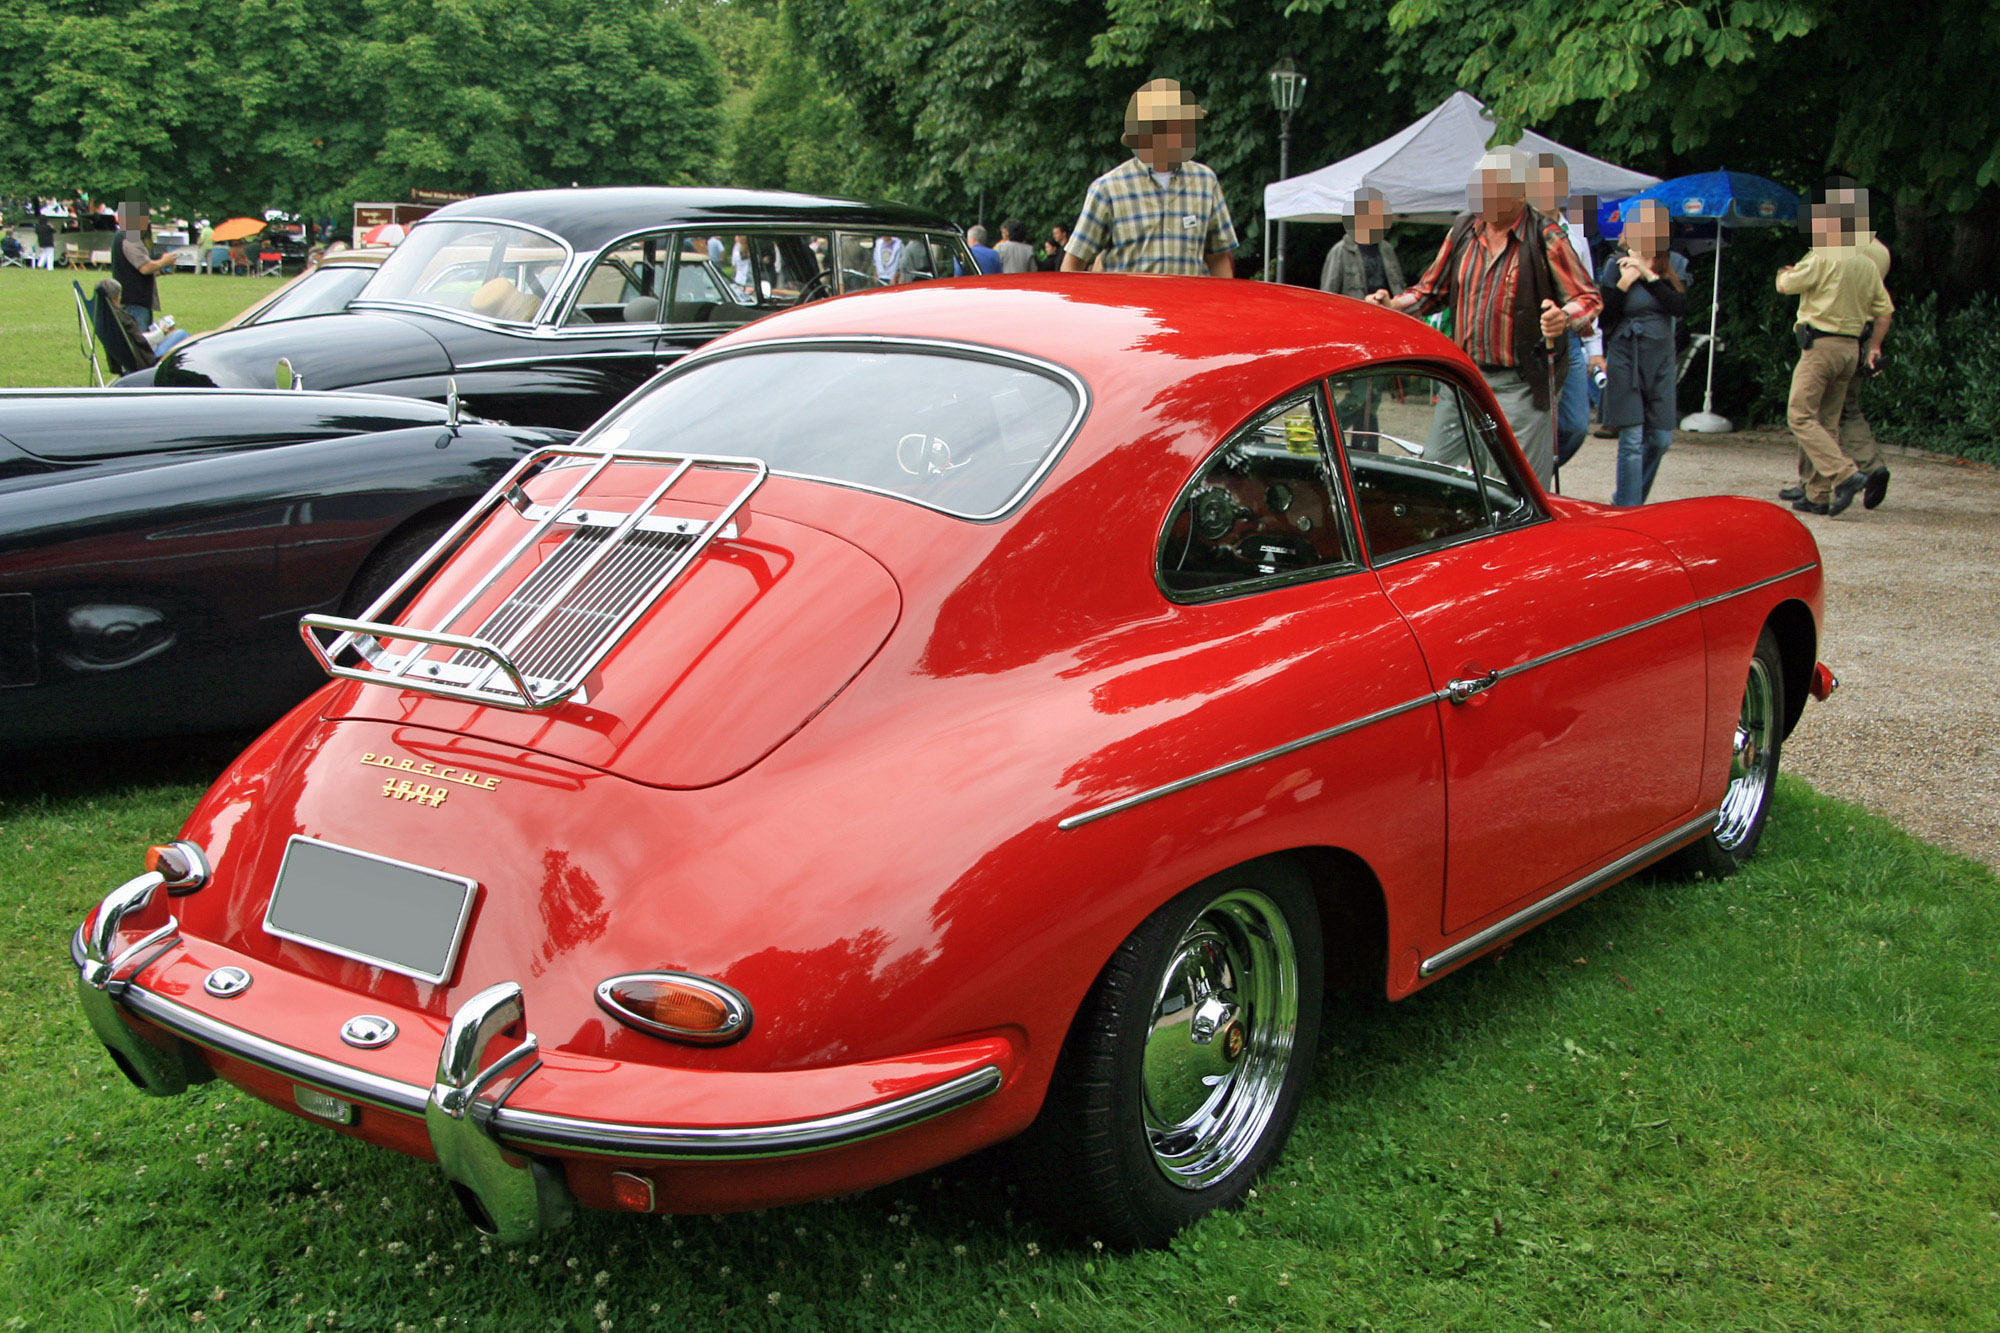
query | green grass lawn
[43, 348]
[1764, 1103]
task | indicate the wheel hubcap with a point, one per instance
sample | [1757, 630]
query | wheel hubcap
[1220, 1038]
[1750, 766]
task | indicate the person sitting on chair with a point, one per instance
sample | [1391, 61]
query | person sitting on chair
[125, 345]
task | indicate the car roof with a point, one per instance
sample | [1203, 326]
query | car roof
[1203, 350]
[590, 218]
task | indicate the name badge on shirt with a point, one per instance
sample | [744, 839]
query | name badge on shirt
[1189, 221]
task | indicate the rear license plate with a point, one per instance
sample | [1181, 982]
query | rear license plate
[323, 1104]
[370, 908]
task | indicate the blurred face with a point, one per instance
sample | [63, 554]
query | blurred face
[1548, 188]
[1825, 224]
[1165, 144]
[1371, 219]
[1497, 198]
[1646, 230]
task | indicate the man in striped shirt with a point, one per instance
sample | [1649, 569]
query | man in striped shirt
[1157, 212]
[1516, 291]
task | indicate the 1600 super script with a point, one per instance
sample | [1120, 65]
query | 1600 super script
[402, 789]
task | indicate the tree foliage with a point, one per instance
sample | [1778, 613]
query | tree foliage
[310, 104]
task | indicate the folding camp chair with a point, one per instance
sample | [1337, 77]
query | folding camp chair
[110, 334]
[268, 263]
[86, 324]
[12, 255]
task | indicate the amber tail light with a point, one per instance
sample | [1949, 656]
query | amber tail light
[183, 865]
[677, 1006]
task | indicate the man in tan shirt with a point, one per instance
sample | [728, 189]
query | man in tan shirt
[1839, 290]
[1857, 438]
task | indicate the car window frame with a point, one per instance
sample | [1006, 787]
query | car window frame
[1313, 394]
[559, 286]
[594, 435]
[1481, 423]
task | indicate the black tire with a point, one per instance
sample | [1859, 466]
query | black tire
[1753, 772]
[1170, 1098]
[387, 562]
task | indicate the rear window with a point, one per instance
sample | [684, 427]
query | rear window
[481, 268]
[957, 432]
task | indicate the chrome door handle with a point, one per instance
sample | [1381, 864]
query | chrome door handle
[1461, 689]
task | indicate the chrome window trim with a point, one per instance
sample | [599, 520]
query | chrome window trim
[1483, 423]
[553, 356]
[563, 278]
[538, 1129]
[1313, 393]
[1440, 695]
[939, 346]
[1553, 902]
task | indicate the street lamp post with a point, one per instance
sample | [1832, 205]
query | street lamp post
[1288, 89]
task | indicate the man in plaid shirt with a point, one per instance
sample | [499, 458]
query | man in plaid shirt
[1158, 212]
[1516, 288]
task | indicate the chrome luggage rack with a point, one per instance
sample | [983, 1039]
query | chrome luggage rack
[538, 646]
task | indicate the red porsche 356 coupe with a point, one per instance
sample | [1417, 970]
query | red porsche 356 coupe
[919, 720]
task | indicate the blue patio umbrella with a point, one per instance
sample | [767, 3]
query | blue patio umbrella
[1728, 199]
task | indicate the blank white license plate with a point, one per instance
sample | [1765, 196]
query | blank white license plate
[370, 908]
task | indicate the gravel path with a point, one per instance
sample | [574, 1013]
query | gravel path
[1912, 620]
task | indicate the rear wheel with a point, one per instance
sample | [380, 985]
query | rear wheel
[1753, 770]
[1183, 1071]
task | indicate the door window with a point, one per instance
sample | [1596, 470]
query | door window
[1424, 463]
[626, 284]
[1264, 509]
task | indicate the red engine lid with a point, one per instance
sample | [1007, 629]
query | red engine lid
[736, 657]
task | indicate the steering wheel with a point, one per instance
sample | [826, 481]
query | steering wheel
[820, 285]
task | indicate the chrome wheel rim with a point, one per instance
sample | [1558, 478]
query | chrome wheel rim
[1751, 756]
[1219, 1040]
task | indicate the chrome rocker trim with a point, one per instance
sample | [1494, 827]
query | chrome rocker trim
[535, 1129]
[1563, 897]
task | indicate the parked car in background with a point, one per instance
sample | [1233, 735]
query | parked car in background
[550, 306]
[999, 708]
[157, 547]
[325, 290]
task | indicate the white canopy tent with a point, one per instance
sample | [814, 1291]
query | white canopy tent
[1422, 170]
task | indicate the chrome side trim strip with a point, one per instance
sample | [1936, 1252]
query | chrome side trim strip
[1648, 623]
[1561, 898]
[1237, 765]
[532, 1129]
[535, 1129]
[1436, 696]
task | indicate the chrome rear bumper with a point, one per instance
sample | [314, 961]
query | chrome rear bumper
[486, 1147]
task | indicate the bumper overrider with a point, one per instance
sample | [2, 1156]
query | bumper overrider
[500, 1115]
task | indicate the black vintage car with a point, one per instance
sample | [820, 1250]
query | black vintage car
[549, 306]
[158, 547]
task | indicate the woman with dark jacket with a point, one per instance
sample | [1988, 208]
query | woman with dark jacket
[1644, 286]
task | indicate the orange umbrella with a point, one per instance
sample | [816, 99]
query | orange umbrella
[237, 229]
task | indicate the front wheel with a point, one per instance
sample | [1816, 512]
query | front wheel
[1183, 1071]
[1753, 770]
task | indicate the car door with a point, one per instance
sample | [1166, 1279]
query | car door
[1308, 704]
[1566, 656]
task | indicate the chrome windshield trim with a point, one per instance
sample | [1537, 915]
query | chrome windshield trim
[570, 1133]
[1441, 695]
[1237, 765]
[1562, 897]
[533, 1129]
[936, 346]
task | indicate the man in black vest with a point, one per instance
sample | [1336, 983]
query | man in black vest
[132, 263]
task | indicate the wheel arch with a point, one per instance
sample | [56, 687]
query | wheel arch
[1791, 621]
[440, 515]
